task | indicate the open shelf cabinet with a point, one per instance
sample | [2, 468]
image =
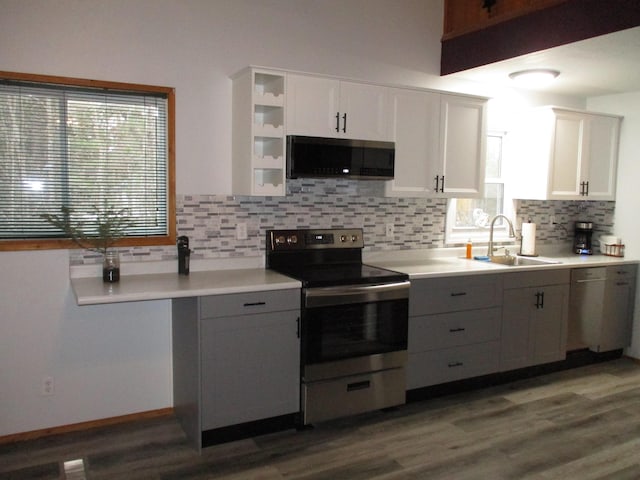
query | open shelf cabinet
[258, 148]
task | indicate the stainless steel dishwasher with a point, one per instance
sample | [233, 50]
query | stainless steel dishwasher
[586, 310]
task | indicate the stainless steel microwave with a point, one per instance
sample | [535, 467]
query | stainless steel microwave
[316, 157]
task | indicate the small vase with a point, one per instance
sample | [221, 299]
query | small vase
[111, 267]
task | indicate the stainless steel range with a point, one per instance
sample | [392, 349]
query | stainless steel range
[354, 322]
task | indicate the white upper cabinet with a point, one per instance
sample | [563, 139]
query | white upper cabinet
[562, 154]
[326, 107]
[416, 132]
[462, 146]
[440, 144]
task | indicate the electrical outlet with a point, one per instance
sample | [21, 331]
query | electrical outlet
[390, 230]
[47, 386]
[241, 231]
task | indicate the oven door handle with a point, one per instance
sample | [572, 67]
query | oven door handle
[342, 295]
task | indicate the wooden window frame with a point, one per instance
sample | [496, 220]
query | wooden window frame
[133, 241]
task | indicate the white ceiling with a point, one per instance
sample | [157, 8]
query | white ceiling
[603, 65]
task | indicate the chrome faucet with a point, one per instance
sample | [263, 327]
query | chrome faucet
[512, 233]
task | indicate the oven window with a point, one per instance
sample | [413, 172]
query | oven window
[354, 330]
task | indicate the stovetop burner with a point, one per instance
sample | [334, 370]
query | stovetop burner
[321, 258]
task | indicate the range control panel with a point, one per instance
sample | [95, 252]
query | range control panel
[314, 239]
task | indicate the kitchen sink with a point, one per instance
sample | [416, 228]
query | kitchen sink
[514, 261]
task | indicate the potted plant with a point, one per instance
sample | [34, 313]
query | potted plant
[99, 235]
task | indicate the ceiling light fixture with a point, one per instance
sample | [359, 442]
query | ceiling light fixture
[537, 77]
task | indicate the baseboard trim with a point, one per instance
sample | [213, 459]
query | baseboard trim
[633, 359]
[77, 427]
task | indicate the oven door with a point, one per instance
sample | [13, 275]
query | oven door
[351, 321]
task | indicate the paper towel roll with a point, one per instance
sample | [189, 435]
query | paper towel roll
[528, 246]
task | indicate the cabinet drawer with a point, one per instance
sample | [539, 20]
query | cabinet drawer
[248, 303]
[354, 394]
[430, 332]
[447, 365]
[453, 294]
[588, 274]
[536, 278]
[620, 272]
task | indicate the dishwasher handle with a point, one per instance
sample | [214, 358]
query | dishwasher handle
[588, 280]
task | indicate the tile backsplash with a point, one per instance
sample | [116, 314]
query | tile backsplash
[210, 220]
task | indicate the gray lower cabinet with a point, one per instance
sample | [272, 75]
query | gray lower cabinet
[535, 317]
[619, 302]
[236, 362]
[454, 329]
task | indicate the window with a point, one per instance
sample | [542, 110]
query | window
[85, 145]
[470, 218]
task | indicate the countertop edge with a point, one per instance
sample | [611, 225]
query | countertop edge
[165, 286]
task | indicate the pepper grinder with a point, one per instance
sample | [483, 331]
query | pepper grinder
[183, 255]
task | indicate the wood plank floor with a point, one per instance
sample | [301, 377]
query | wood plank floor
[582, 424]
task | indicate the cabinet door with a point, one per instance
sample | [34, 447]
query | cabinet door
[415, 129]
[250, 368]
[515, 340]
[534, 326]
[462, 145]
[601, 159]
[312, 105]
[567, 147]
[549, 324]
[619, 301]
[368, 116]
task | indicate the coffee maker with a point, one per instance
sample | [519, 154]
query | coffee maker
[582, 238]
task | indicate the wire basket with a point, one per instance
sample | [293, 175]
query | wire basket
[613, 249]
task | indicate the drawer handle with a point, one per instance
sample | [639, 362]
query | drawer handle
[358, 386]
[622, 283]
[255, 304]
[458, 294]
[455, 364]
[454, 330]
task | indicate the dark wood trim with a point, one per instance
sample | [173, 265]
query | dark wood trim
[82, 426]
[567, 22]
[461, 18]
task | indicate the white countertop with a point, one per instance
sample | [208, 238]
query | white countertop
[432, 263]
[157, 286]
[418, 265]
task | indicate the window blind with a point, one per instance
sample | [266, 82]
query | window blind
[88, 149]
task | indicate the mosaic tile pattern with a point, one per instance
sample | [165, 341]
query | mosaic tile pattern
[210, 220]
[566, 213]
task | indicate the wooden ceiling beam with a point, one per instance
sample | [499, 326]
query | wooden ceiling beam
[567, 22]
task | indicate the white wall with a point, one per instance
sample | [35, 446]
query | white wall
[628, 195]
[113, 360]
